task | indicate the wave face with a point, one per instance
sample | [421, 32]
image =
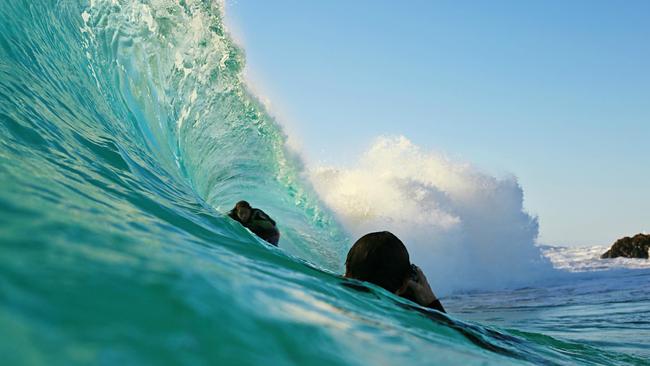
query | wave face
[126, 132]
[176, 67]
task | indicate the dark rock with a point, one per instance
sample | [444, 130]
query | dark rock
[634, 247]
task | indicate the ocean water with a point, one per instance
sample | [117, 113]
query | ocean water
[127, 130]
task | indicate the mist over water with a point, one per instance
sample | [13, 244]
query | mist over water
[466, 229]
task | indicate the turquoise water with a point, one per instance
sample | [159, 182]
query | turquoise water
[126, 131]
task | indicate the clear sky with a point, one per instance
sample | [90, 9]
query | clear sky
[555, 92]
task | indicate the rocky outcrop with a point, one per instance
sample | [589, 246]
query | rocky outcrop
[629, 247]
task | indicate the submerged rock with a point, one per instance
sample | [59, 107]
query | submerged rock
[634, 247]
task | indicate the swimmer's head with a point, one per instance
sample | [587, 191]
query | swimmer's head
[243, 210]
[379, 258]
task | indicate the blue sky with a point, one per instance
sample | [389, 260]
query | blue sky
[554, 92]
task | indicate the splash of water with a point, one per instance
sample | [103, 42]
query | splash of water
[468, 230]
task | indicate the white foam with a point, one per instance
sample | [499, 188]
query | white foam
[587, 259]
[466, 229]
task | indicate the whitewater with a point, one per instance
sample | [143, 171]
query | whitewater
[127, 131]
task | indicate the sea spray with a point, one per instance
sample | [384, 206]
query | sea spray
[466, 229]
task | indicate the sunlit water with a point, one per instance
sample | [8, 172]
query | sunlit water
[125, 133]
